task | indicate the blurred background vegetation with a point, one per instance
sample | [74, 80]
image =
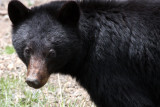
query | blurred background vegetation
[60, 91]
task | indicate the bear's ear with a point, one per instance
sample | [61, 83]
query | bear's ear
[17, 11]
[69, 13]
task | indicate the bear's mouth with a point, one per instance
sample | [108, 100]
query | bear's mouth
[36, 82]
[37, 74]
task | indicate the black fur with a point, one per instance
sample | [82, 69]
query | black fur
[111, 48]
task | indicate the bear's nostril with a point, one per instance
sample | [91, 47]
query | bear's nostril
[32, 82]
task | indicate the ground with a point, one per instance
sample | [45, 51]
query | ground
[60, 91]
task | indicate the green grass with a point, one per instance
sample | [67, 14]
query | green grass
[30, 2]
[14, 92]
[9, 50]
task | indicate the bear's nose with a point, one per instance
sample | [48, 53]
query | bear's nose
[33, 83]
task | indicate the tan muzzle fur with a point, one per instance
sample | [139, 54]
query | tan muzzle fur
[37, 74]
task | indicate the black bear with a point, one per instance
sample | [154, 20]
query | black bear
[112, 48]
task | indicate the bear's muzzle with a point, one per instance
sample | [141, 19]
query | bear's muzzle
[37, 75]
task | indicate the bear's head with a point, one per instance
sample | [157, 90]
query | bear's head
[46, 38]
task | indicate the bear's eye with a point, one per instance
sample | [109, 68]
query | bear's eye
[52, 53]
[27, 51]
